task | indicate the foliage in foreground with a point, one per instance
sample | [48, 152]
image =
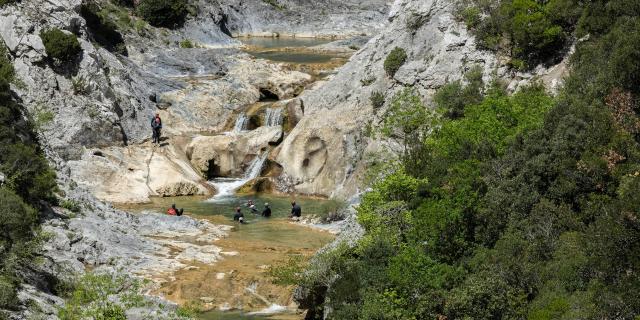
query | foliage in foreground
[514, 207]
[28, 181]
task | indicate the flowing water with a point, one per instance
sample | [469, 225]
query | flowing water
[242, 123]
[273, 117]
[226, 187]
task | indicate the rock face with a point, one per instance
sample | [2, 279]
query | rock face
[324, 153]
[227, 155]
[300, 18]
[133, 174]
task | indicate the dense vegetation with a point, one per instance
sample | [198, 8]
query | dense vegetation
[61, 46]
[27, 181]
[530, 31]
[163, 13]
[507, 207]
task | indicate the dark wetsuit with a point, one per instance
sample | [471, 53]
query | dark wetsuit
[296, 211]
[237, 216]
[266, 212]
[157, 127]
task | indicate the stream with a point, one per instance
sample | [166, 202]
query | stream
[237, 285]
[239, 281]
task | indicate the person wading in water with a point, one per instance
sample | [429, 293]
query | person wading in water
[296, 211]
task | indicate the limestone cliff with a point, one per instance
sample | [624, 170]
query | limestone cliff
[326, 152]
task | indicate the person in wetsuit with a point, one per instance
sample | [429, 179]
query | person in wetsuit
[296, 211]
[173, 211]
[267, 211]
[156, 126]
[238, 216]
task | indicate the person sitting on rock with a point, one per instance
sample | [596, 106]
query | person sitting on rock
[267, 211]
[296, 211]
[156, 125]
[238, 216]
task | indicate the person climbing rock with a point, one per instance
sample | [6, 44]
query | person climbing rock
[267, 211]
[296, 211]
[238, 216]
[156, 126]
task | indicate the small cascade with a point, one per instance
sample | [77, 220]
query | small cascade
[273, 117]
[227, 186]
[242, 123]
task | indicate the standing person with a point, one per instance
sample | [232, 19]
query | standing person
[296, 211]
[238, 216]
[267, 211]
[156, 126]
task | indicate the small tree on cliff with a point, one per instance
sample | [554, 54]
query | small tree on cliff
[163, 13]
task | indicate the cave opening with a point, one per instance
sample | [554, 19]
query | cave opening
[213, 170]
[267, 95]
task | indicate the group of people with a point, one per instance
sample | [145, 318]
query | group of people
[296, 211]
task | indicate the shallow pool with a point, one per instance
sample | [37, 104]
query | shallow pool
[240, 281]
[282, 42]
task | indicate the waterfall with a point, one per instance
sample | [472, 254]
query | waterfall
[242, 123]
[273, 117]
[227, 186]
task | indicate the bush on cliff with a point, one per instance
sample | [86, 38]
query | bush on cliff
[396, 58]
[163, 13]
[61, 46]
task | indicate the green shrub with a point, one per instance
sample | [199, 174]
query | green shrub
[163, 13]
[8, 296]
[367, 81]
[275, 4]
[6, 68]
[396, 58]
[415, 21]
[3, 2]
[102, 27]
[187, 44]
[72, 205]
[453, 97]
[377, 99]
[60, 45]
[124, 3]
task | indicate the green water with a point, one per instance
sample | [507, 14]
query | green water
[219, 315]
[271, 232]
[283, 42]
[280, 206]
[284, 49]
[294, 57]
